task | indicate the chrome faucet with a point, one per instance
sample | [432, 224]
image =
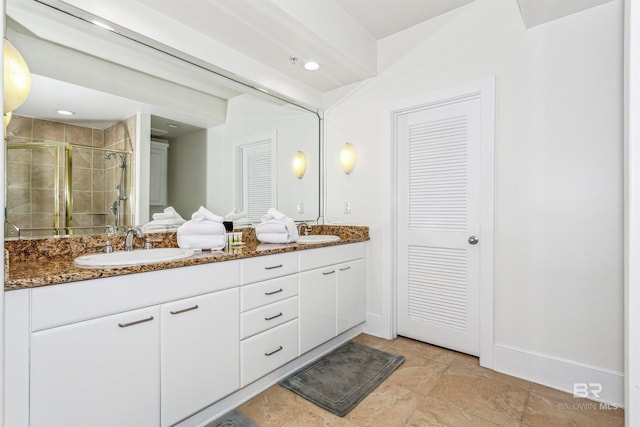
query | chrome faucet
[306, 229]
[131, 233]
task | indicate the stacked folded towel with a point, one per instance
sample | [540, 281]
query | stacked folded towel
[163, 221]
[276, 227]
[204, 231]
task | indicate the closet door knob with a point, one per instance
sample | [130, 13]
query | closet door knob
[473, 240]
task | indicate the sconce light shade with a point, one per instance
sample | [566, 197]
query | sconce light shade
[299, 164]
[7, 119]
[347, 158]
[17, 78]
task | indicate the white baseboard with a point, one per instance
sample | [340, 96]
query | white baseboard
[560, 374]
[375, 326]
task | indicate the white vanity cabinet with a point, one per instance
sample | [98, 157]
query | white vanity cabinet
[154, 348]
[145, 349]
[199, 353]
[317, 307]
[268, 323]
[332, 293]
[100, 372]
[351, 293]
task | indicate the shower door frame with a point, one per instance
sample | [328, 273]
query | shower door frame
[67, 183]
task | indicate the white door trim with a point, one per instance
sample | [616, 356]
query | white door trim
[485, 89]
[632, 209]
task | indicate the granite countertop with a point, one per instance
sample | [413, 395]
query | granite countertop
[43, 262]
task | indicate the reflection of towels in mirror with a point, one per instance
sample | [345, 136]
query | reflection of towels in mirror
[165, 221]
[233, 215]
[167, 214]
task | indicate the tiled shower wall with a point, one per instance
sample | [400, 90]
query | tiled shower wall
[31, 172]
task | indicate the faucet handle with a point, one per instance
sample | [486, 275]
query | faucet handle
[148, 243]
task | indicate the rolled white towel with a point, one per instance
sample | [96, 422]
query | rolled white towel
[274, 214]
[209, 241]
[203, 214]
[275, 238]
[271, 226]
[173, 221]
[169, 213]
[233, 216]
[159, 228]
[192, 228]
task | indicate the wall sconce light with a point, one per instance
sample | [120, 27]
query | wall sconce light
[299, 164]
[17, 79]
[347, 158]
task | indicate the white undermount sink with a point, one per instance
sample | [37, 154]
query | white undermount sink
[137, 257]
[317, 238]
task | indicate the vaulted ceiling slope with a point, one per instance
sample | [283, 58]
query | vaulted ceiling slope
[341, 35]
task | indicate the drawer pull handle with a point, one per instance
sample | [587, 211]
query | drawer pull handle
[326, 273]
[136, 322]
[273, 292]
[274, 351]
[184, 310]
[273, 317]
[346, 268]
[273, 266]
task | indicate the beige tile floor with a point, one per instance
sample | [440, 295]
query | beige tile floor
[437, 387]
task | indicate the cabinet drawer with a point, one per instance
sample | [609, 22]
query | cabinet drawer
[267, 351]
[268, 267]
[263, 318]
[263, 293]
[76, 301]
[321, 257]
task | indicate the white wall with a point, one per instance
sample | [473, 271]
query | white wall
[559, 153]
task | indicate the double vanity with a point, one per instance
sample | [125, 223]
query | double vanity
[153, 344]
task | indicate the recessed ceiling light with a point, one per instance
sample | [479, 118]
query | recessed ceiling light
[172, 126]
[66, 112]
[311, 66]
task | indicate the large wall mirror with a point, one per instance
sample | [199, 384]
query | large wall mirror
[146, 128]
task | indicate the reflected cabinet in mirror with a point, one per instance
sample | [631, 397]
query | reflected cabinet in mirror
[146, 128]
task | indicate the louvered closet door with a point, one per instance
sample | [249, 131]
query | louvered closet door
[258, 179]
[438, 212]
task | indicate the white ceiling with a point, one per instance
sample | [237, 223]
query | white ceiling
[341, 35]
[382, 18]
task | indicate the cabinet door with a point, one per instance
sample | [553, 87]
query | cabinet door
[351, 291]
[200, 352]
[317, 315]
[101, 372]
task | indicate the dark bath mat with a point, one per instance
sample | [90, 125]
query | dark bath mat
[340, 380]
[233, 418]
